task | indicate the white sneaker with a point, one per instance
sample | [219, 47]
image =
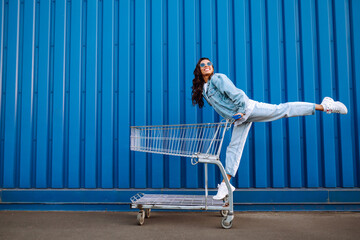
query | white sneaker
[330, 106]
[222, 191]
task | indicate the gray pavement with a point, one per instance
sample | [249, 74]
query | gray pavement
[178, 225]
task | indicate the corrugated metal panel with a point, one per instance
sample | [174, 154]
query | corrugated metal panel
[76, 74]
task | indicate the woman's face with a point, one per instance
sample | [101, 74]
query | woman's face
[206, 67]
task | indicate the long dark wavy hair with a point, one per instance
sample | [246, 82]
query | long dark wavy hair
[198, 83]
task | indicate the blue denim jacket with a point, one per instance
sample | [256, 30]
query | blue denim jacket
[224, 97]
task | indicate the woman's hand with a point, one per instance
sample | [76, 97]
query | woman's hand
[239, 114]
[236, 116]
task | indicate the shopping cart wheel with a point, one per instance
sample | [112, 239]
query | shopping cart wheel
[224, 213]
[141, 217]
[147, 213]
[226, 224]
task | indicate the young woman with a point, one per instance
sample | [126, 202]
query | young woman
[231, 103]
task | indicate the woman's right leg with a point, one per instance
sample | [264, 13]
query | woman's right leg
[233, 156]
[236, 146]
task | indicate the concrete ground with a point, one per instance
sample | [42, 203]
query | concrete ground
[178, 225]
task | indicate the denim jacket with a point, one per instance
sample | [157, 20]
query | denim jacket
[224, 97]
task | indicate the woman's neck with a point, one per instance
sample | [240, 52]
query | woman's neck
[206, 78]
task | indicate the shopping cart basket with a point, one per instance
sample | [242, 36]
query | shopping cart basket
[199, 142]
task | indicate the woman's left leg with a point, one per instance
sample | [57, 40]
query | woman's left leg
[265, 112]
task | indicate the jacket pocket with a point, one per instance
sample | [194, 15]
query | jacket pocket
[210, 92]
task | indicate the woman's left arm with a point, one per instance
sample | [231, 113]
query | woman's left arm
[227, 87]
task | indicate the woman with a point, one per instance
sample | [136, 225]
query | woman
[232, 103]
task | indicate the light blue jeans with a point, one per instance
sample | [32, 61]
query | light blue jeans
[261, 112]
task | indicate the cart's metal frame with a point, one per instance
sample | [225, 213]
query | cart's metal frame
[202, 143]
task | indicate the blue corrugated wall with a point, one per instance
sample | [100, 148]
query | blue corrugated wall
[76, 74]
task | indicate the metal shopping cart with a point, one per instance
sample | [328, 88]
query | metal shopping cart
[199, 142]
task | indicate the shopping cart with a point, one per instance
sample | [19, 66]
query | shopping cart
[199, 142]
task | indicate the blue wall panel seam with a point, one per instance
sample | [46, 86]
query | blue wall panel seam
[354, 102]
[2, 46]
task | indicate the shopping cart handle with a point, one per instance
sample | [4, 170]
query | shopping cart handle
[236, 117]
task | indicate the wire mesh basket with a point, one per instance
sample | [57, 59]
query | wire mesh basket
[184, 140]
[202, 143]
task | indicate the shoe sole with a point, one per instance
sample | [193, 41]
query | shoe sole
[220, 198]
[223, 197]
